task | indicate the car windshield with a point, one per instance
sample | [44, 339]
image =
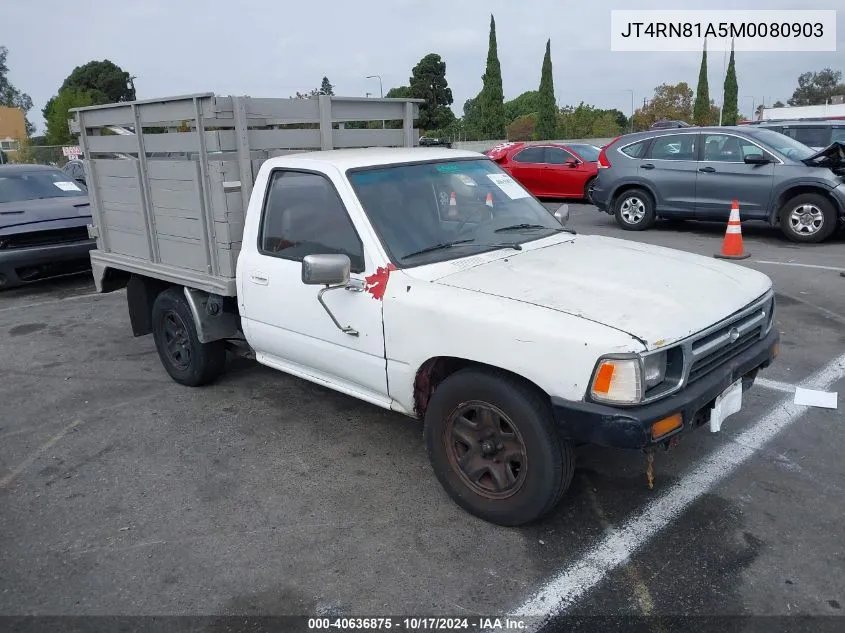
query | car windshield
[589, 153]
[781, 143]
[32, 185]
[443, 210]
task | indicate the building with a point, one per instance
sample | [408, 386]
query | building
[792, 113]
[12, 127]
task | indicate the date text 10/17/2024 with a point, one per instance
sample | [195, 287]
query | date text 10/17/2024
[418, 624]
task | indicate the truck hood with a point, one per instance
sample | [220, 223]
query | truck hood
[28, 212]
[832, 156]
[657, 295]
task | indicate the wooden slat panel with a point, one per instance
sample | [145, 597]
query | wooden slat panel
[170, 142]
[125, 195]
[181, 252]
[118, 182]
[126, 242]
[120, 219]
[174, 185]
[116, 168]
[178, 227]
[367, 138]
[170, 199]
[275, 139]
[171, 170]
[227, 259]
[286, 110]
[228, 232]
[367, 110]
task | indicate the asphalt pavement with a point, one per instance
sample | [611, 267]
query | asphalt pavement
[124, 493]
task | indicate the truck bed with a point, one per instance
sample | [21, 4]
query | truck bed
[169, 203]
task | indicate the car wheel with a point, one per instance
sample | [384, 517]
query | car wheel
[588, 189]
[188, 361]
[808, 217]
[634, 210]
[493, 446]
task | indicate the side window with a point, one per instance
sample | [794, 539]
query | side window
[674, 147]
[837, 134]
[303, 215]
[557, 156]
[724, 148]
[635, 150]
[812, 136]
[531, 155]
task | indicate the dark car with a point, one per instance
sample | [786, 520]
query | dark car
[44, 218]
[667, 124]
[430, 141]
[76, 170]
[816, 134]
[697, 173]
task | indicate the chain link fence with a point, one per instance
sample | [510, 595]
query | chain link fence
[37, 154]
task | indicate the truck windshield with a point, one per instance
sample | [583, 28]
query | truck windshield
[444, 210]
[33, 185]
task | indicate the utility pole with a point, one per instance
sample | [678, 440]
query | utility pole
[631, 122]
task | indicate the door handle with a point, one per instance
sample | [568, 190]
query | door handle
[707, 170]
[259, 278]
[647, 166]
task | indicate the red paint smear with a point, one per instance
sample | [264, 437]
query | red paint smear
[376, 284]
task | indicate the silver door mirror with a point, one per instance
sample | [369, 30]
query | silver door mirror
[328, 270]
[562, 214]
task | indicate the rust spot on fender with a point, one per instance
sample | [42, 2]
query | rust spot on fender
[376, 284]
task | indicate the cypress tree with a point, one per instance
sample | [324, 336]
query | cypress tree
[730, 109]
[492, 98]
[701, 111]
[547, 109]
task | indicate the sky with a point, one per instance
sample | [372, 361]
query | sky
[273, 48]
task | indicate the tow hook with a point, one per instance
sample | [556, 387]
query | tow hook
[667, 445]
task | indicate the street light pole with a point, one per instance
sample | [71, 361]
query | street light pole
[380, 90]
[753, 105]
[631, 122]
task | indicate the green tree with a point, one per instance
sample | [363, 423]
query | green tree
[730, 108]
[547, 108]
[526, 103]
[9, 95]
[778, 104]
[428, 81]
[491, 98]
[326, 87]
[815, 88]
[522, 128]
[104, 80]
[701, 114]
[401, 92]
[58, 132]
[669, 102]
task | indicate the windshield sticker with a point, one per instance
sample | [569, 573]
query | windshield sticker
[67, 186]
[447, 167]
[508, 186]
[376, 283]
[469, 182]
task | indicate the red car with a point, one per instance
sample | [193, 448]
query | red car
[550, 170]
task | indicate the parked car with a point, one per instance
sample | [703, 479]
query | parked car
[815, 134]
[76, 170]
[696, 174]
[666, 124]
[430, 141]
[551, 170]
[43, 224]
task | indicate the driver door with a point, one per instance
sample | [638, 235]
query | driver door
[283, 320]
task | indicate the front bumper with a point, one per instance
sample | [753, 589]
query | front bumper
[23, 265]
[616, 427]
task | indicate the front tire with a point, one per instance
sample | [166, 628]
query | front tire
[188, 361]
[493, 447]
[588, 190]
[634, 210]
[808, 218]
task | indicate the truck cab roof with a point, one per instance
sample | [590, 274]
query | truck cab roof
[344, 159]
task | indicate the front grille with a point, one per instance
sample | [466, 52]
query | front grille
[704, 365]
[45, 238]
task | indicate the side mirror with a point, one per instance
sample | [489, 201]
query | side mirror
[325, 270]
[571, 162]
[81, 181]
[756, 159]
[562, 214]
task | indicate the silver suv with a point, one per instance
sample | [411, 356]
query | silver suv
[696, 173]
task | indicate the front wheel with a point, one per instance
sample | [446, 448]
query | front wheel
[188, 361]
[588, 189]
[634, 210]
[809, 217]
[493, 447]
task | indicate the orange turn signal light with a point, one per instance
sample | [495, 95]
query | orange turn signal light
[603, 378]
[666, 425]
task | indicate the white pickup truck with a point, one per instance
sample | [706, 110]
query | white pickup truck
[427, 282]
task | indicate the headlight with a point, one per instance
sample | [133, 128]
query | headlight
[654, 369]
[617, 380]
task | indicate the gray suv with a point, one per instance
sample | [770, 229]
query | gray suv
[696, 173]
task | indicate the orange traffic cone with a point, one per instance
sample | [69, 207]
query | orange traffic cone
[453, 206]
[732, 244]
[489, 201]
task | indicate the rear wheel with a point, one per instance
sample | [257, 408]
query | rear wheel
[188, 361]
[808, 217]
[634, 210]
[493, 447]
[588, 189]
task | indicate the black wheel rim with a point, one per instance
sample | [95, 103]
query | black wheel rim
[177, 343]
[486, 449]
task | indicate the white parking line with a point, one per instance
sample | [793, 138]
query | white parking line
[774, 385]
[52, 301]
[573, 583]
[762, 261]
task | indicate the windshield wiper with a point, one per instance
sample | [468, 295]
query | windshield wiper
[438, 247]
[525, 225]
